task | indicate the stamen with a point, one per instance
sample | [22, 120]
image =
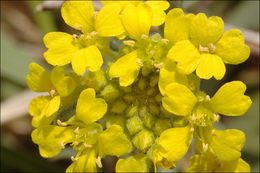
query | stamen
[74, 159]
[79, 26]
[75, 36]
[95, 14]
[87, 145]
[75, 143]
[160, 65]
[216, 117]
[98, 162]
[165, 41]
[152, 52]
[207, 98]
[77, 131]
[143, 36]
[193, 117]
[139, 62]
[213, 132]
[87, 37]
[203, 49]
[52, 92]
[93, 33]
[129, 43]
[205, 147]
[192, 130]
[63, 124]
[212, 47]
[62, 144]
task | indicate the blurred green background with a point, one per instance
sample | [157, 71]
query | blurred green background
[24, 23]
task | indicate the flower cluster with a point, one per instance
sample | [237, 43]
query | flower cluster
[145, 105]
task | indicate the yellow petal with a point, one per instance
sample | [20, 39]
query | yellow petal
[230, 99]
[37, 110]
[202, 163]
[89, 108]
[177, 25]
[126, 69]
[231, 47]
[39, 79]
[158, 8]
[88, 58]
[85, 163]
[51, 139]
[238, 165]
[204, 31]
[79, 15]
[178, 99]
[175, 142]
[226, 144]
[113, 141]
[52, 106]
[186, 55]
[64, 85]
[108, 22]
[137, 20]
[211, 65]
[166, 77]
[60, 48]
[136, 163]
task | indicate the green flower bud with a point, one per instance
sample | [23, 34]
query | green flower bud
[132, 111]
[143, 140]
[154, 80]
[96, 80]
[162, 124]
[149, 120]
[118, 106]
[110, 92]
[154, 108]
[142, 84]
[129, 98]
[134, 124]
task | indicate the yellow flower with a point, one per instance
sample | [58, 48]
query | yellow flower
[135, 163]
[158, 8]
[145, 52]
[83, 51]
[208, 162]
[60, 87]
[228, 100]
[202, 46]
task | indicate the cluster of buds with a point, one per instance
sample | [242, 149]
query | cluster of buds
[141, 101]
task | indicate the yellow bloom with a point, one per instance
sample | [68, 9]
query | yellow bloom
[229, 100]
[60, 87]
[89, 108]
[208, 162]
[83, 51]
[202, 46]
[158, 8]
[136, 163]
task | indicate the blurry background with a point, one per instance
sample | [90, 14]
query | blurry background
[24, 23]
